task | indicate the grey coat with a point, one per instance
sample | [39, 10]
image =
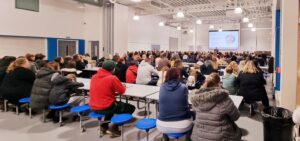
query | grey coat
[42, 86]
[215, 116]
[62, 90]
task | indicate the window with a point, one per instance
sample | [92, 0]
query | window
[32, 5]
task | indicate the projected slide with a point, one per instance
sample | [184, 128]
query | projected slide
[226, 40]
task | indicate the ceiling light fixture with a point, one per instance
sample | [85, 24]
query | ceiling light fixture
[220, 30]
[192, 31]
[211, 26]
[179, 28]
[136, 0]
[253, 29]
[238, 10]
[250, 25]
[136, 17]
[245, 20]
[199, 21]
[161, 24]
[180, 14]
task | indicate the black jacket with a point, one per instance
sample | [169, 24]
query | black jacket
[206, 69]
[42, 86]
[17, 84]
[120, 72]
[62, 90]
[2, 74]
[251, 86]
[80, 65]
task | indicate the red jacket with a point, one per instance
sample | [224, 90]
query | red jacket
[103, 89]
[131, 74]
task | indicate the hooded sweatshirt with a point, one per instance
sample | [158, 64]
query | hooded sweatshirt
[131, 74]
[103, 90]
[173, 101]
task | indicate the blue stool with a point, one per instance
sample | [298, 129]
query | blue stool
[100, 118]
[120, 120]
[24, 101]
[79, 110]
[176, 135]
[59, 108]
[146, 124]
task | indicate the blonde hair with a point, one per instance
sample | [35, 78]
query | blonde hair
[164, 71]
[193, 72]
[235, 67]
[212, 81]
[249, 67]
[16, 64]
[197, 66]
[214, 62]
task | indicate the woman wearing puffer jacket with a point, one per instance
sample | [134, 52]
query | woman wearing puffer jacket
[215, 113]
[39, 99]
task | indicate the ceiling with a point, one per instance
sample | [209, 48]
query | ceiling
[209, 11]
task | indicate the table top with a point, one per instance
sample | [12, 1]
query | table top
[134, 90]
[237, 100]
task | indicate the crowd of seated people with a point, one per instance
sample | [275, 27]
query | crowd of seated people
[174, 72]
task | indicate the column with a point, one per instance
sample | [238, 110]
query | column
[288, 53]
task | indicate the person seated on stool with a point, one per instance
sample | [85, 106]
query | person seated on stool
[251, 85]
[215, 112]
[145, 71]
[131, 72]
[63, 89]
[174, 112]
[103, 90]
[228, 81]
[18, 81]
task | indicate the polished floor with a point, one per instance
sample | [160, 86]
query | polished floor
[21, 128]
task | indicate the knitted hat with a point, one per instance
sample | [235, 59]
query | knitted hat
[109, 65]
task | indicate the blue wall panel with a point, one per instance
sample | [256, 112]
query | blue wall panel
[81, 47]
[277, 49]
[52, 48]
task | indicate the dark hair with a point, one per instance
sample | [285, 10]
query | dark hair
[53, 66]
[120, 60]
[6, 60]
[29, 56]
[173, 74]
[212, 80]
[71, 64]
[39, 56]
[58, 59]
[76, 57]
[130, 54]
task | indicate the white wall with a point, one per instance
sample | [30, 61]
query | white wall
[56, 18]
[120, 29]
[19, 46]
[93, 23]
[146, 32]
